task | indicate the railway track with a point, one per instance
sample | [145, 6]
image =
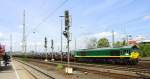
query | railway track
[136, 69]
[138, 72]
[47, 76]
[30, 73]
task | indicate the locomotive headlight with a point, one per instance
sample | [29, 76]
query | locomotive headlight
[126, 53]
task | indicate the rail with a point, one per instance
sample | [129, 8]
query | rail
[37, 69]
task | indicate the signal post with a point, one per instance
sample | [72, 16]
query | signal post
[45, 46]
[66, 33]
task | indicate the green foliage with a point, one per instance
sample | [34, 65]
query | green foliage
[145, 50]
[25, 59]
[103, 42]
[124, 43]
[60, 66]
[120, 44]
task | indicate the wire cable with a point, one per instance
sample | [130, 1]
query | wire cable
[48, 16]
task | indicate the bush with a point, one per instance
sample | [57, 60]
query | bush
[145, 50]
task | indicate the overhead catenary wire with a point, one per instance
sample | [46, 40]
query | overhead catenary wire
[48, 16]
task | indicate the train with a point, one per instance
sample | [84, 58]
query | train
[123, 55]
[4, 56]
[2, 51]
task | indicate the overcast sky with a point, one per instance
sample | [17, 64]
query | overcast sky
[90, 18]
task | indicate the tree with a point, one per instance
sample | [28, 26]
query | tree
[124, 43]
[91, 44]
[120, 44]
[145, 50]
[103, 42]
[117, 44]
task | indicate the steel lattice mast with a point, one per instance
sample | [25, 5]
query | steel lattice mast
[24, 35]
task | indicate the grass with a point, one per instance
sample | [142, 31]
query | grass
[25, 59]
[59, 66]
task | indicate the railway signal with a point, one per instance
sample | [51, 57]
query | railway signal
[45, 46]
[67, 24]
[52, 47]
[67, 20]
[66, 33]
[45, 42]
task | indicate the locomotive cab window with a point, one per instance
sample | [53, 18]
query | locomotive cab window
[121, 52]
[115, 52]
[83, 53]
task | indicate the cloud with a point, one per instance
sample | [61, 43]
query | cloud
[147, 17]
[105, 34]
[1, 34]
[20, 26]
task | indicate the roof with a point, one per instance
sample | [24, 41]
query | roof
[125, 47]
[145, 41]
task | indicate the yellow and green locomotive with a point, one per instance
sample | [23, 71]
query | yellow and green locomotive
[125, 55]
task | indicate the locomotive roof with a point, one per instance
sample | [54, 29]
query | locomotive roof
[125, 47]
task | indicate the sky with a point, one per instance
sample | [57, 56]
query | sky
[90, 19]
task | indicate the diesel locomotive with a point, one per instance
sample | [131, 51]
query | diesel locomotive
[125, 55]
